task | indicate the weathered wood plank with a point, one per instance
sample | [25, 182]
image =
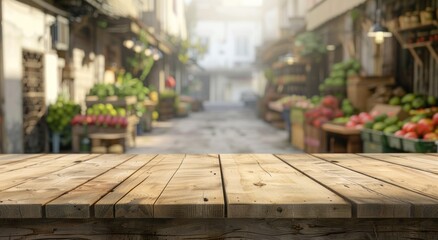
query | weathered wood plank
[262, 186]
[139, 202]
[10, 158]
[27, 200]
[28, 162]
[422, 182]
[18, 176]
[301, 229]
[77, 202]
[104, 208]
[416, 161]
[372, 198]
[195, 191]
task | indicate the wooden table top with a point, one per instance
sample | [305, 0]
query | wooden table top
[219, 186]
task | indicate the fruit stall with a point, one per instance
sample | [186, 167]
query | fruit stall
[114, 114]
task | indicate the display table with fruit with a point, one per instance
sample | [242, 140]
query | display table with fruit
[103, 118]
[327, 110]
[219, 196]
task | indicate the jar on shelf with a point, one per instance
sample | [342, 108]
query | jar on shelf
[433, 36]
[404, 20]
[414, 19]
[426, 16]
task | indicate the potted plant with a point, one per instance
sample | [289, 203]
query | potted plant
[58, 118]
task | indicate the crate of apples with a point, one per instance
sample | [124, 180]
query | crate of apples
[424, 128]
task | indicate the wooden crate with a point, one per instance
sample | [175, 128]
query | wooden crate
[314, 139]
[358, 89]
[114, 100]
[297, 133]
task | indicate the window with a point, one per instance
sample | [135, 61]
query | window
[242, 48]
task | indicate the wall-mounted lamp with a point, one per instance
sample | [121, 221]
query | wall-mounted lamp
[377, 31]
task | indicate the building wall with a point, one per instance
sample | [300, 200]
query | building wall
[26, 28]
[232, 38]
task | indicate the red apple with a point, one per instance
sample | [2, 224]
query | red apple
[400, 133]
[411, 135]
[410, 127]
[124, 122]
[426, 121]
[350, 124]
[355, 119]
[435, 119]
[423, 128]
[431, 136]
[100, 120]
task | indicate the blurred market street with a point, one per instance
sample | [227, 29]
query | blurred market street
[221, 128]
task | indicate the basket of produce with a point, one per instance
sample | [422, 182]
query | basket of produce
[419, 134]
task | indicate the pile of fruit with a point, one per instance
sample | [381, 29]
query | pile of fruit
[420, 127]
[60, 114]
[384, 123]
[412, 101]
[328, 110]
[339, 74]
[126, 86]
[355, 121]
[100, 120]
[106, 109]
[105, 115]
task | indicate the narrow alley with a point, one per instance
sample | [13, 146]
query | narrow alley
[221, 128]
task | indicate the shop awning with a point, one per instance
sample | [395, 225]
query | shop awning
[327, 10]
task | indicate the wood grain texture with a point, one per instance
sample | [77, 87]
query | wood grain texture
[77, 202]
[21, 161]
[372, 198]
[262, 186]
[422, 182]
[139, 202]
[417, 161]
[195, 191]
[27, 200]
[10, 158]
[301, 229]
[104, 208]
[15, 177]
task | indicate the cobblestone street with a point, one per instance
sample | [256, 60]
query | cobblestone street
[218, 129]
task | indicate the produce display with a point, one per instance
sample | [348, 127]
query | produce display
[328, 110]
[100, 120]
[339, 74]
[106, 109]
[105, 115]
[126, 86]
[384, 123]
[412, 101]
[420, 127]
[61, 113]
